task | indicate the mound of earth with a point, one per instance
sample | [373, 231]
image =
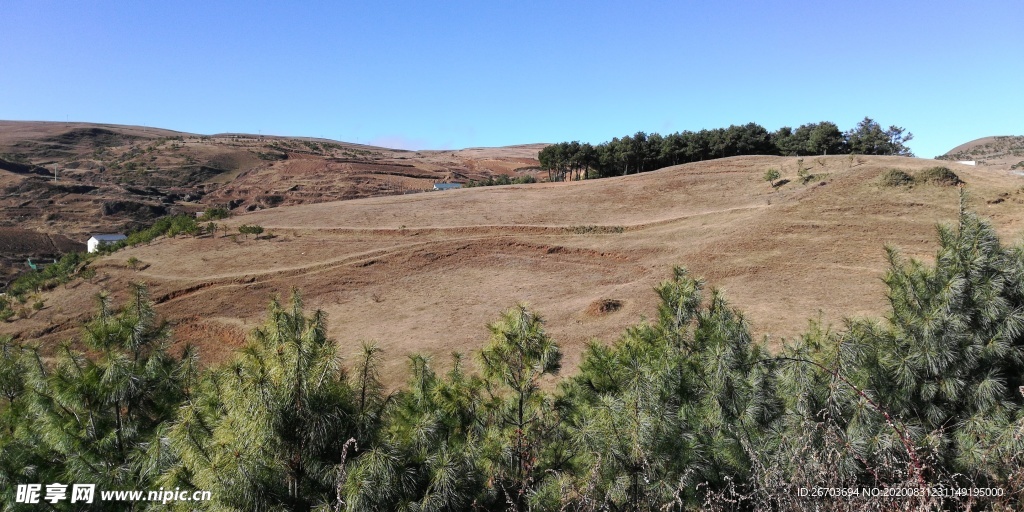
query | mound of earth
[603, 307]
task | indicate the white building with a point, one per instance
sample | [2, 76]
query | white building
[447, 186]
[96, 241]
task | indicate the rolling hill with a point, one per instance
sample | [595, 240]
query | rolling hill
[115, 178]
[426, 272]
[1002, 152]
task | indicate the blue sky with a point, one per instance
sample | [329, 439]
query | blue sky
[452, 74]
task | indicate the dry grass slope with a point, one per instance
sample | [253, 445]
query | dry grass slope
[425, 273]
[117, 178]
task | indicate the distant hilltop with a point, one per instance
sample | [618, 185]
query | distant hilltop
[80, 178]
[1006, 151]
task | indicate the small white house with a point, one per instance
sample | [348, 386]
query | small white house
[96, 241]
[447, 186]
[967, 162]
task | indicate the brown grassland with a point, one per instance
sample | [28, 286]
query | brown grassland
[114, 178]
[424, 273]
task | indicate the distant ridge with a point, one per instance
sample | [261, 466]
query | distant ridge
[1002, 151]
[118, 175]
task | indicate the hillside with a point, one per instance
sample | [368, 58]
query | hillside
[1004, 152]
[114, 178]
[426, 272]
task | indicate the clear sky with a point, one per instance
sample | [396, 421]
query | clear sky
[431, 75]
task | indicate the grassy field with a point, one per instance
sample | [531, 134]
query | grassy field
[426, 272]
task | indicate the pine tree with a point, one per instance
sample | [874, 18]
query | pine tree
[428, 458]
[932, 394]
[953, 352]
[520, 424]
[20, 458]
[268, 430]
[682, 403]
[93, 418]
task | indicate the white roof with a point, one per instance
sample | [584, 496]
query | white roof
[109, 237]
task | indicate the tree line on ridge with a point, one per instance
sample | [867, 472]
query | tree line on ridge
[642, 152]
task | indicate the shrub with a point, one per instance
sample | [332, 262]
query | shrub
[165, 226]
[160, 228]
[246, 229]
[501, 179]
[938, 176]
[771, 175]
[272, 156]
[594, 230]
[87, 273]
[217, 213]
[895, 178]
[47, 278]
[804, 175]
